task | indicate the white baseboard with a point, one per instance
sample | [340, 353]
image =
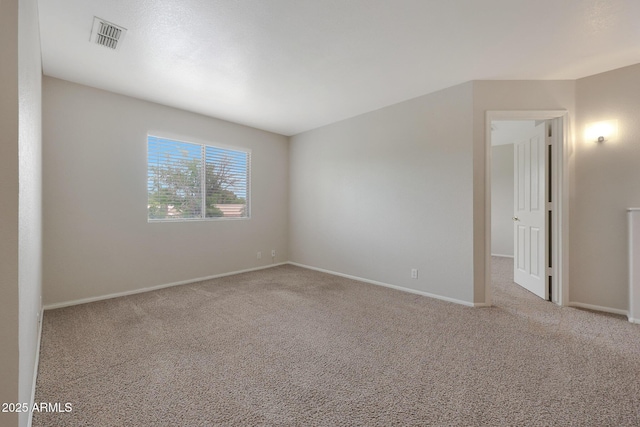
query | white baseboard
[598, 308]
[502, 256]
[387, 285]
[154, 288]
[35, 368]
[632, 320]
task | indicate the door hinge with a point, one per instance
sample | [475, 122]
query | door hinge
[549, 271]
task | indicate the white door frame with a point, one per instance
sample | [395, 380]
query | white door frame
[559, 168]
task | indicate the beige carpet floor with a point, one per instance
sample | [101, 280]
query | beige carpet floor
[293, 347]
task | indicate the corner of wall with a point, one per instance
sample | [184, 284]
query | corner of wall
[29, 199]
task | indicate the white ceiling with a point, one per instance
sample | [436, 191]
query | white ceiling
[292, 65]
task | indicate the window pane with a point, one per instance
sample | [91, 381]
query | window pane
[226, 183]
[174, 179]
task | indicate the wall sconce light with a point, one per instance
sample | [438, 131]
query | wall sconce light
[602, 131]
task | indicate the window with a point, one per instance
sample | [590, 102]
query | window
[187, 181]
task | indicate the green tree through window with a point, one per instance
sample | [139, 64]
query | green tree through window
[196, 181]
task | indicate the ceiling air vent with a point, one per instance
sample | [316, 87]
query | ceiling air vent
[107, 34]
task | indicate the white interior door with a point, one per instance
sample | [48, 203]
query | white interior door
[529, 219]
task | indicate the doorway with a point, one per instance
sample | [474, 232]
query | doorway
[554, 273]
[520, 201]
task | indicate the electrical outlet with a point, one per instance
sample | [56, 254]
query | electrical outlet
[414, 273]
[273, 253]
[259, 255]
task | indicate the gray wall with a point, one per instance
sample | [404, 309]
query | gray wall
[607, 182]
[20, 210]
[502, 200]
[379, 194]
[97, 240]
[9, 141]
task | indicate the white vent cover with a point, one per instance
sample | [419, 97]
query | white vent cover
[106, 34]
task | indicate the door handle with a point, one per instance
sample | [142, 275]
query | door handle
[515, 218]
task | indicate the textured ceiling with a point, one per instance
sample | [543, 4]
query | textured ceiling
[292, 65]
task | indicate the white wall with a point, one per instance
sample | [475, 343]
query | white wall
[9, 141]
[379, 194]
[30, 194]
[502, 200]
[607, 182]
[97, 240]
[507, 95]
